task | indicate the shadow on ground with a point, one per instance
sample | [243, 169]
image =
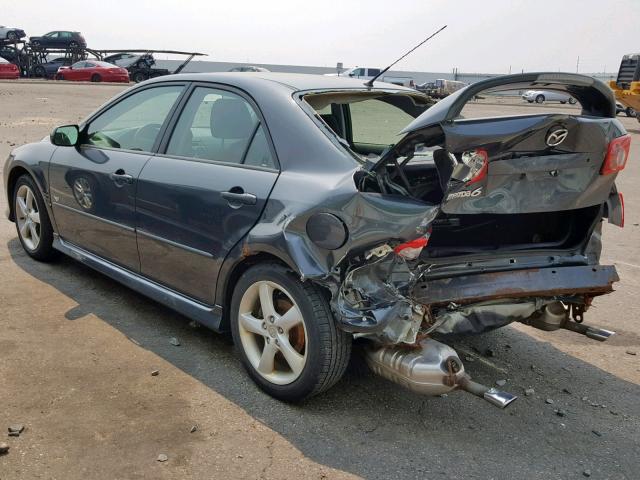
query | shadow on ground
[372, 428]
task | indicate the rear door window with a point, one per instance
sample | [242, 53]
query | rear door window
[221, 126]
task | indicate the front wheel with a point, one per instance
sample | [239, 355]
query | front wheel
[285, 334]
[139, 77]
[540, 99]
[630, 112]
[96, 78]
[572, 101]
[12, 36]
[32, 220]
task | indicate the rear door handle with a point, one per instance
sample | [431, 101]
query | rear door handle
[120, 177]
[237, 197]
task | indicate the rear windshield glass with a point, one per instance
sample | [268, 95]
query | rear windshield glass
[368, 122]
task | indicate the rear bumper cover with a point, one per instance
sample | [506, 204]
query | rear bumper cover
[539, 282]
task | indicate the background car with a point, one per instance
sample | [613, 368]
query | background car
[129, 59]
[541, 96]
[50, 68]
[12, 54]
[8, 71]
[93, 71]
[248, 68]
[60, 39]
[11, 33]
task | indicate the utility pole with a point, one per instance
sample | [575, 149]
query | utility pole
[577, 63]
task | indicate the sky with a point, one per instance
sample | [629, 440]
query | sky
[482, 36]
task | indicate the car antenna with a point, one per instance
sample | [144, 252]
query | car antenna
[370, 82]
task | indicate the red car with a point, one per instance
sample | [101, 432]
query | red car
[8, 71]
[93, 71]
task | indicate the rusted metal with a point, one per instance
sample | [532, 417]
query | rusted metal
[540, 282]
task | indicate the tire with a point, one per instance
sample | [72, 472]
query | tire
[12, 36]
[540, 99]
[139, 77]
[96, 78]
[39, 71]
[572, 101]
[59, 76]
[35, 44]
[322, 351]
[530, 101]
[563, 102]
[630, 112]
[28, 205]
[73, 45]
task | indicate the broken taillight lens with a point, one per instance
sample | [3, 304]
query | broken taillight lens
[478, 162]
[617, 154]
[411, 250]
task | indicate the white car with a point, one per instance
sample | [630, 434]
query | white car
[11, 34]
[541, 96]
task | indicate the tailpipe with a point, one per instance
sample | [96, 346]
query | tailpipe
[555, 316]
[432, 369]
[492, 395]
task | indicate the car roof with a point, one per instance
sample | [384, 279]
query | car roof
[293, 81]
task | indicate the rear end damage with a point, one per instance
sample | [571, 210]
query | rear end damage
[510, 231]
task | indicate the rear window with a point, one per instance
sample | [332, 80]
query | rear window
[367, 121]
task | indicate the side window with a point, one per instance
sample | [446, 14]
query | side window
[65, 34]
[373, 72]
[134, 123]
[78, 65]
[220, 126]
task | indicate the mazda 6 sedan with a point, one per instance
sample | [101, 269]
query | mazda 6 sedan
[301, 212]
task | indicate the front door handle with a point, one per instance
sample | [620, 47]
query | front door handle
[120, 177]
[236, 197]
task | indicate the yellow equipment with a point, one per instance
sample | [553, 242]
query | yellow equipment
[627, 86]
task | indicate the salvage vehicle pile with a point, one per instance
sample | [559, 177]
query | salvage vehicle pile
[459, 226]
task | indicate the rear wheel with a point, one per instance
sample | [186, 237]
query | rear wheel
[73, 45]
[12, 36]
[540, 99]
[139, 77]
[35, 44]
[39, 71]
[572, 101]
[32, 220]
[285, 334]
[96, 78]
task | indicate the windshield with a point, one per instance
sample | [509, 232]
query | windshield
[368, 122]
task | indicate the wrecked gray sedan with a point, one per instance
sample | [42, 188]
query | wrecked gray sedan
[288, 210]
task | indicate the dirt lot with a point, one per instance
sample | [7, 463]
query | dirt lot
[77, 351]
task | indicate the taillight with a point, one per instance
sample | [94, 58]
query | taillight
[478, 162]
[411, 250]
[617, 154]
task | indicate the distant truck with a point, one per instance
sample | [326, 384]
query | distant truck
[366, 73]
[441, 87]
[626, 86]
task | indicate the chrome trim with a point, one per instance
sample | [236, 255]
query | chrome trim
[210, 316]
[175, 244]
[94, 217]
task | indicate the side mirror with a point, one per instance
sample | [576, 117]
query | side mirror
[65, 136]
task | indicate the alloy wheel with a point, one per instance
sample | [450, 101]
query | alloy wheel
[272, 332]
[28, 217]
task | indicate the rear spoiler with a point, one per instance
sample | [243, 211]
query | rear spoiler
[595, 96]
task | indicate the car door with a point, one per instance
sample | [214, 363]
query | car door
[93, 185]
[199, 198]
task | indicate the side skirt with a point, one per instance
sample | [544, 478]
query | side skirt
[208, 316]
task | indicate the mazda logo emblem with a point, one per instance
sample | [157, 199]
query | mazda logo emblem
[557, 136]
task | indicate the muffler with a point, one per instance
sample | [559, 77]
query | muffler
[555, 316]
[432, 369]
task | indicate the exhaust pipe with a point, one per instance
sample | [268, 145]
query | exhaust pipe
[432, 369]
[554, 316]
